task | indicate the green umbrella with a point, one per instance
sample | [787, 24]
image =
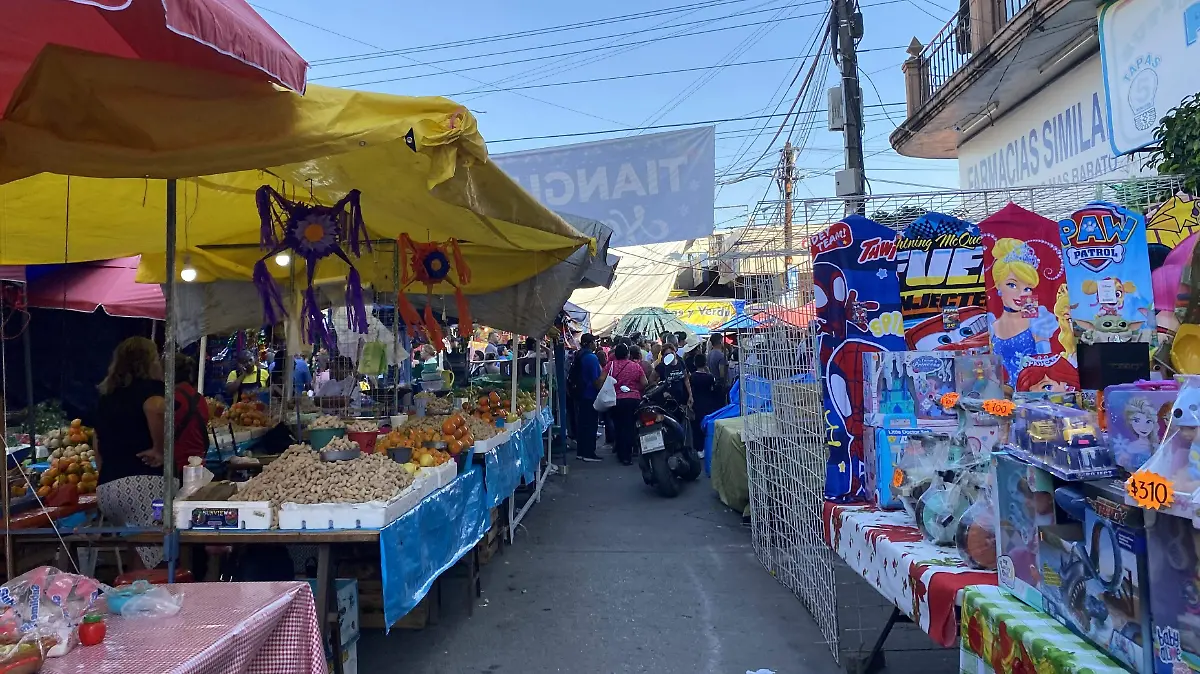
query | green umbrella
[651, 322]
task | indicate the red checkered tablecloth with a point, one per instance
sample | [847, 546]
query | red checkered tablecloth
[223, 628]
[922, 579]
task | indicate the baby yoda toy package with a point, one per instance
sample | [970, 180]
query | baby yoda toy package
[1108, 274]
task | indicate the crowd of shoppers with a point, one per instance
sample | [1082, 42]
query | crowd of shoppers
[697, 378]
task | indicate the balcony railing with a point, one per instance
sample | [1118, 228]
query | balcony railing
[948, 51]
[958, 40]
[1012, 8]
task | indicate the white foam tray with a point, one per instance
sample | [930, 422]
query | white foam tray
[371, 515]
[251, 515]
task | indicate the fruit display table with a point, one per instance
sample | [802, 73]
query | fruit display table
[924, 581]
[1002, 634]
[237, 628]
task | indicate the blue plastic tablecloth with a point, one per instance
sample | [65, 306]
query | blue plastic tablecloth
[502, 472]
[429, 539]
[531, 450]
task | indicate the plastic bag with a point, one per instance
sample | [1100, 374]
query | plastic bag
[606, 399]
[976, 534]
[195, 476]
[39, 613]
[143, 600]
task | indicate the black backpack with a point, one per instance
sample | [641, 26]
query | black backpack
[574, 374]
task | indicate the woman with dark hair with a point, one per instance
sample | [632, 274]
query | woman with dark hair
[631, 381]
[706, 398]
[129, 439]
[191, 413]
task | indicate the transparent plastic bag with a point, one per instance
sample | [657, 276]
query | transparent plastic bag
[938, 511]
[975, 537]
[143, 600]
[924, 455]
[40, 611]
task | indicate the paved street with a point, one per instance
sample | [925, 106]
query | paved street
[608, 577]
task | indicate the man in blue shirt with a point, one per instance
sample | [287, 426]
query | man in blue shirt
[590, 380]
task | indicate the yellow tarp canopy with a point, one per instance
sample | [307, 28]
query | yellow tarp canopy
[81, 124]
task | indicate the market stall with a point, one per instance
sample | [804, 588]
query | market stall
[1005, 461]
[415, 163]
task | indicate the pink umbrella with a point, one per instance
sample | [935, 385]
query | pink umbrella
[220, 35]
[110, 285]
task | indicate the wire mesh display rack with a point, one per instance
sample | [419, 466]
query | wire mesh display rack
[784, 429]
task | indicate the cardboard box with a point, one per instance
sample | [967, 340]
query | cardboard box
[882, 451]
[347, 603]
[1024, 503]
[907, 385]
[1174, 558]
[1095, 572]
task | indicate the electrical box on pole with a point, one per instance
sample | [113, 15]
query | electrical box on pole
[849, 27]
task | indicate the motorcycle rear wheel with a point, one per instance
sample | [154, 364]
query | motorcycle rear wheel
[666, 483]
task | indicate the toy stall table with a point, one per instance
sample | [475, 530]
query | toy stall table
[923, 581]
[250, 628]
[1002, 634]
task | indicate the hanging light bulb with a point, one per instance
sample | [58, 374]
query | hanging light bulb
[188, 273]
[283, 259]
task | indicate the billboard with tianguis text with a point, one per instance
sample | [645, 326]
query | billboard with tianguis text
[652, 188]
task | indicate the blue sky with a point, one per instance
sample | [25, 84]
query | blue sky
[785, 29]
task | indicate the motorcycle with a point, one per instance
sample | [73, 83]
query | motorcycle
[666, 455]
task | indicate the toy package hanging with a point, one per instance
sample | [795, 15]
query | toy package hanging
[1027, 297]
[1136, 417]
[858, 312]
[930, 376]
[939, 259]
[1108, 274]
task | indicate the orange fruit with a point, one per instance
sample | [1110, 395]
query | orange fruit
[43, 491]
[73, 479]
[494, 397]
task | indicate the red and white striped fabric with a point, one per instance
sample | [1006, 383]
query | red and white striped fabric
[223, 628]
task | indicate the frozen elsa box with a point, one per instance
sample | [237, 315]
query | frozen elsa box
[1177, 457]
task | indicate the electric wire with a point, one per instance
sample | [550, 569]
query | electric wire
[516, 35]
[448, 72]
[696, 85]
[676, 125]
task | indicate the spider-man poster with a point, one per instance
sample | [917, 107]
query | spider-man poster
[858, 312]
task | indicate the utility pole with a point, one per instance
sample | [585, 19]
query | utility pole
[787, 167]
[850, 181]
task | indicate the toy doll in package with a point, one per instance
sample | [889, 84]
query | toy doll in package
[978, 377]
[1136, 417]
[1174, 569]
[1024, 500]
[1178, 455]
[930, 376]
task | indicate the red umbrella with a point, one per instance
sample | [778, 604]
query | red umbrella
[220, 35]
[110, 285]
[798, 318]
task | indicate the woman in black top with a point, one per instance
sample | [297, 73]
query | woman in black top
[706, 396]
[129, 439]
